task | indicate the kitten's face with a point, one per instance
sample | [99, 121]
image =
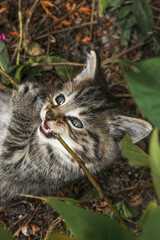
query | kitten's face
[73, 111]
[79, 113]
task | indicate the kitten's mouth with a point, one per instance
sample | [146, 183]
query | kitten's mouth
[44, 128]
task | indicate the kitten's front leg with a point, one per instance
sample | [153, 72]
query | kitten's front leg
[26, 103]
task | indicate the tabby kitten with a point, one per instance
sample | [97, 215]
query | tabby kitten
[32, 161]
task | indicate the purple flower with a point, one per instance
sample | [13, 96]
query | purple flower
[3, 38]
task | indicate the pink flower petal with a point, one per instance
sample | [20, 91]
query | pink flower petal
[3, 38]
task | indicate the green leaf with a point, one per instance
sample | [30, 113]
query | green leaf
[156, 45]
[134, 210]
[65, 71]
[35, 71]
[33, 48]
[116, 3]
[143, 13]
[126, 23]
[10, 71]
[18, 74]
[123, 12]
[90, 195]
[103, 4]
[4, 234]
[21, 69]
[44, 59]
[87, 225]
[123, 210]
[136, 156]
[152, 206]
[58, 236]
[4, 57]
[125, 36]
[144, 85]
[155, 161]
[151, 229]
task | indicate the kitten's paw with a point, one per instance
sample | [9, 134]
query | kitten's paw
[27, 99]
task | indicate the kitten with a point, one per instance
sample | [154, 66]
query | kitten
[32, 161]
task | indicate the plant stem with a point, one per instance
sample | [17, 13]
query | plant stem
[8, 78]
[20, 30]
[91, 179]
[59, 64]
[109, 60]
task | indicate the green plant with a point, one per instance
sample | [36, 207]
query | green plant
[133, 16]
[35, 65]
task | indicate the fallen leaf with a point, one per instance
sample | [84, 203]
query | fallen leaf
[35, 228]
[85, 10]
[46, 4]
[13, 34]
[78, 36]
[2, 9]
[86, 39]
[65, 23]
[135, 200]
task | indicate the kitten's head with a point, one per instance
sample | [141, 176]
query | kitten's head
[79, 112]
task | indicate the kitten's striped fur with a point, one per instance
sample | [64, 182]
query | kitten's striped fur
[31, 162]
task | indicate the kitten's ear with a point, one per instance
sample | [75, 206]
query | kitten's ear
[90, 71]
[136, 128]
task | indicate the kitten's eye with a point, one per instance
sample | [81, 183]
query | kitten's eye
[60, 99]
[76, 122]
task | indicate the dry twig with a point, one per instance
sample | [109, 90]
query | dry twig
[8, 78]
[91, 179]
[133, 188]
[26, 31]
[28, 221]
[67, 29]
[20, 30]
[92, 15]
[59, 64]
[65, 16]
[52, 226]
[109, 60]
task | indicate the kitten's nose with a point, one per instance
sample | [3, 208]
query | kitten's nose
[50, 115]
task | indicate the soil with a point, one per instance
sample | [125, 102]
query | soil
[31, 218]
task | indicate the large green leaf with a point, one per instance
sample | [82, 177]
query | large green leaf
[4, 234]
[125, 36]
[144, 85]
[151, 227]
[155, 161]
[86, 225]
[103, 4]
[152, 206]
[116, 3]
[126, 23]
[143, 13]
[58, 236]
[123, 12]
[4, 57]
[135, 155]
